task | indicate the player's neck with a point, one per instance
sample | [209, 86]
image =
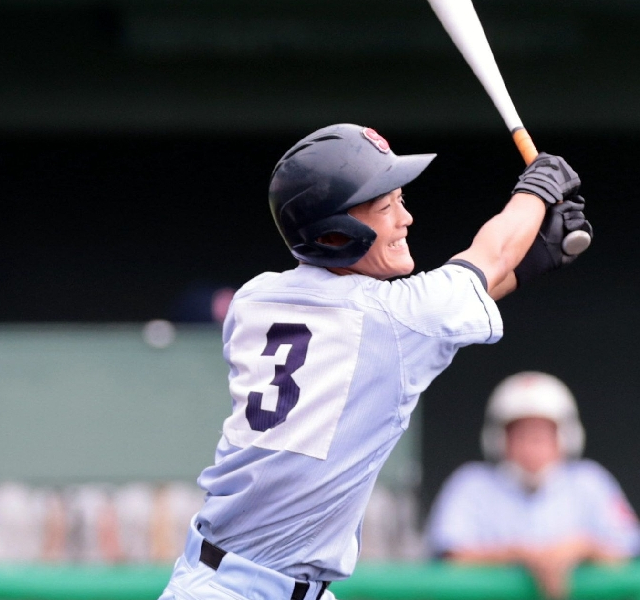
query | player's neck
[342, 271]
[337, 270]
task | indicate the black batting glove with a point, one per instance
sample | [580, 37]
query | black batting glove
[573, 215]
[550, 178]
[546, 252]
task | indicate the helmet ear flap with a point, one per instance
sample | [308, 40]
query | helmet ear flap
[493, 441]
[311, 251]
[572, 438]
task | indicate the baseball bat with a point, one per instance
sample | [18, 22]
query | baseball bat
[461, 22]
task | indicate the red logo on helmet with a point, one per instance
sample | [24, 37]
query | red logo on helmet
[376, 139]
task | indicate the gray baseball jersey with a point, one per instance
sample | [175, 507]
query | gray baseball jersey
[325, 371]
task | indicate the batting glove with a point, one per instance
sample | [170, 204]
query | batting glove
[546, 252]
[550, 178]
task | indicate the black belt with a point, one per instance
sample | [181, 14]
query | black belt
[212, 556]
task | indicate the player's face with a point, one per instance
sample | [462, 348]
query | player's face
[532, 443]
[389, 254]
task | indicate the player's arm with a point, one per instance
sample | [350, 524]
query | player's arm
[498, 555]
[509, 239]
[551, 565]
[570, 550]
[502, 242]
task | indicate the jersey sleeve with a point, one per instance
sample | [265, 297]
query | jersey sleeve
[610, 517]
[435, 314]
[449, 303]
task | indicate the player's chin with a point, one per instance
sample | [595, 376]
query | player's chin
[399, 266]
[407, 269]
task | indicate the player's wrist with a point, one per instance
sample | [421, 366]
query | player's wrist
[530, 197]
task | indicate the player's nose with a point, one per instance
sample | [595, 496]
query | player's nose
[405, 218]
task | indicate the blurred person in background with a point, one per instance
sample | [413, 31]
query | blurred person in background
[92, 524]
[174, 503]
[133, 503]
[533, 501]
[32, 523]
[26, 518]
[152, 519]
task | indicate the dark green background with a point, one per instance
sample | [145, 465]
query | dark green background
[137, 138]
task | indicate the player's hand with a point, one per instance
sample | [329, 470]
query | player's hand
[546, 253]
[551, 575]
[574, 220]
[572, 210]
[553, 565]
[550, 178]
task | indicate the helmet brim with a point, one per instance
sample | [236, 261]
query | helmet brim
[403, 170]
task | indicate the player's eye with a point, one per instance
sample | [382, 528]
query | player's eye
[402, 199]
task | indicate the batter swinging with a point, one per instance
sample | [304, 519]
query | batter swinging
[327, 361]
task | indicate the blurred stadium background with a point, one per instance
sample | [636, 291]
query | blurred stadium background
[136, 142]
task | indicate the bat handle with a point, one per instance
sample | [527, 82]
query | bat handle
[525, 145]
[575, 242]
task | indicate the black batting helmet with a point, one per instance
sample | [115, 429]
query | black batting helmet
[325, 174]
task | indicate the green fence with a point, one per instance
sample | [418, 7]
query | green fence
[128, 410]
[371, 581]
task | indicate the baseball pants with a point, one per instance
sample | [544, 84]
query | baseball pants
[233, 578]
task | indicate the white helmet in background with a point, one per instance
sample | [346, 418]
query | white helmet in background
[531, 394]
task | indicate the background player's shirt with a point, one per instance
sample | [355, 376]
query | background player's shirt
[325, 371]
[481, 505]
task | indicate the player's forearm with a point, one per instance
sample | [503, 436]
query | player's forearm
[585, 548]
[505, 239]
[567, 552]
[497, 555]
[502, 242]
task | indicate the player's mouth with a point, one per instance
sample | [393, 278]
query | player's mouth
[399, 244]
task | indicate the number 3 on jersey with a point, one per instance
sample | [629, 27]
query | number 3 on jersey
[297, 335]
[291, 371]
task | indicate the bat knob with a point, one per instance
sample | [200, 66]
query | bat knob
[576, 242]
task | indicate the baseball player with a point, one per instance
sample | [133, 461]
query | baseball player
[327, 360]
[533, 501]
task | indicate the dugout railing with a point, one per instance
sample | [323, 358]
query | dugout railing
[371, 581]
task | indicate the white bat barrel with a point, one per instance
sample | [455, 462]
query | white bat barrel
[460, 20]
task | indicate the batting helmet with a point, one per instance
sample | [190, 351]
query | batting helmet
[324, 175]
[531, 394]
